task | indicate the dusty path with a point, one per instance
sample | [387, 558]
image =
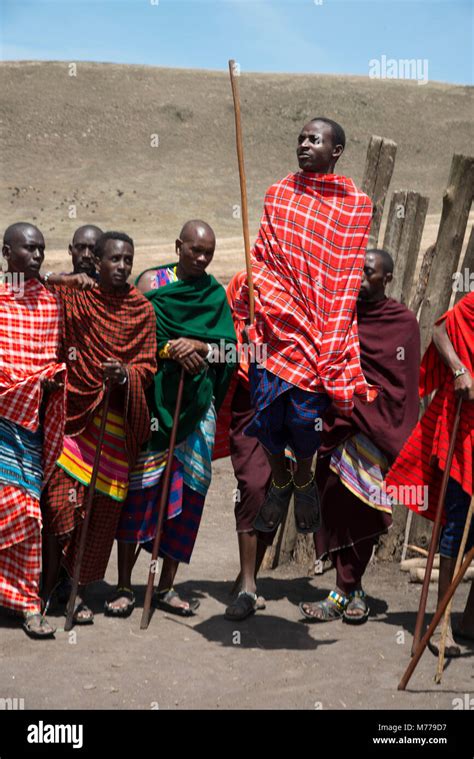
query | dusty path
[272, 660]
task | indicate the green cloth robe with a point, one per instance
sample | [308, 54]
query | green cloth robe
[197, 309]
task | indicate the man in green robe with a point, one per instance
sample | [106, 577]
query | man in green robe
[194, 330]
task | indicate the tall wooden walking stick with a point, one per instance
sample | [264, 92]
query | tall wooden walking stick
[435, 533]
[88, 511]
[447, 615]
[243, 184]
[435, 621]
[162, 507]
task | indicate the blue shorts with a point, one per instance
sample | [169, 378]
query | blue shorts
[285, 416]
[456, 506]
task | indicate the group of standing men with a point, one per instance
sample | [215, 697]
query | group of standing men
[338, 376]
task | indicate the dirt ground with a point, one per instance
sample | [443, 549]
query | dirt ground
[270, 661]
[102, 164]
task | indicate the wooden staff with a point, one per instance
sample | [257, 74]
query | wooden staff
[444, 630]
[243, 186]
[88, 511]
[436, 531]
[162, 507]
[435, 621]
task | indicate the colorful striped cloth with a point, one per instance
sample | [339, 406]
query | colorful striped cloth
[164, 277]
[77, 458]
[20, 457]
[139, 519]
[361, 466]
[192, 468]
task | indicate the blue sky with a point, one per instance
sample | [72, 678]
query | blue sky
[332, 36]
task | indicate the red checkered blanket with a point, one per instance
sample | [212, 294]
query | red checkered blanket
[307, 266]
[423, 458]
[30, 324]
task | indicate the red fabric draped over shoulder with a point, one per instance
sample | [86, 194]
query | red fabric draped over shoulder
[423, 457]
[99, 325]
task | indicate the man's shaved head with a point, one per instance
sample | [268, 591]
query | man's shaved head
[387, 260]
[23, 249]
[195, 247]
[82, 249]
[78, 234]
[378, 273]
[10, 236]
[196, 228]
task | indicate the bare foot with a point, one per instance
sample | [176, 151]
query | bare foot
[452, 649]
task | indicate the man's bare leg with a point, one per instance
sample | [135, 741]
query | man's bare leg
[259, 556]
[261, 551]
[248, 561]
[303, 474]
[125, 560]
[281, 475]
[52, 555]
[166, 582]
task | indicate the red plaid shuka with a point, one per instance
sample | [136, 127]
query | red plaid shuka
[100, 325]
[20, 554]
[30, 324]
[422, 459]
[307, 266]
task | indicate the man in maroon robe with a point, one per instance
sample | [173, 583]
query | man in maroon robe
[356, 452]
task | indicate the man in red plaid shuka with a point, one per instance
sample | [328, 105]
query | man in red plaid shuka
[109, 335]
[32, 406]
[307, 266]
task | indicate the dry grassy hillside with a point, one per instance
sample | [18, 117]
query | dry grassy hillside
[85, 140]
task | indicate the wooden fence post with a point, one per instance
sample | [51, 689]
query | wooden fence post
[457, 202]
[378, 172]
[423, 278]
[394, 226]
[404, 229]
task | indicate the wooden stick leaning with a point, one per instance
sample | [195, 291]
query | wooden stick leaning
[243, 186]
[447, 615]
[162, 507]
[436, 620]
[436, 531]
[88, 511]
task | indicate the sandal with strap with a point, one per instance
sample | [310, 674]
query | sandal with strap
[330, 609]
[358, 603]
[81, 607]
[163, 598]
[244, 605]
[120, 611]
[274, 507]
[307, 508]
[36, 626]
